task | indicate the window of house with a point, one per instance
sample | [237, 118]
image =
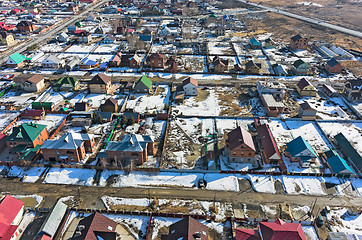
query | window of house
[234, 153]
[134, 154]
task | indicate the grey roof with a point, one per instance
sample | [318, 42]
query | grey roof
[270, 101]
[69, 140]
[54, 219]
[53, 59]
[130, 143]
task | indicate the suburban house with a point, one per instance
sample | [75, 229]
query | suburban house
[132, 149]
[307, 112]
[126, 86]
[25, 26]
[189, 86]
[277, 89]
[336, 163]
[110, 105]
[353, 89]
[270, 43]
[300, 67]
[135, 61]
[7, 38]
[239, 145]
[30, 84]
[63, 37]
[276, 230]
[220, 65]
[68, 83]
[81, 106]
[272, 107]
[43, 105]
[95, 227]
[116, 60]
[333, 66]
[156, 60]
[349, 152]
[220, 31]
[70, 147]
[53, 62]
[87, 63]
[270, 150]
[143, 85]
[84, 36]
[11, 212]
[100, 83]
[305, 88]
[15, 60]
[298, 42]
[27, 135]
[255, 44]
[72, 64]
[279, 70]
[299, 150]
[329, 90]
[109, 39]
[100, 30]
[252, 68]
[52, 222]
[188, 229]
[35, 114]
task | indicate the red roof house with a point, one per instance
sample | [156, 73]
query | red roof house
[11, 213]
[277, 230]
[94, 227]
[240, 145]
[270, 149]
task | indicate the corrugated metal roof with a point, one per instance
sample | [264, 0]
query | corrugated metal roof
[54, 219]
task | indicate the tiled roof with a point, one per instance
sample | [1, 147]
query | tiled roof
[240, 136]
[279, 230]
[100, 78]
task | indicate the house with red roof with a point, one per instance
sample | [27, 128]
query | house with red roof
[240, 146]
[189, 86]
[271, 154]
[94, 227]
[11, 214]
[277, 230]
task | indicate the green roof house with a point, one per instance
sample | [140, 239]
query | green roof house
[143, 85]
[349, 152]
[68, 83]
[299, 150]
[300, 67]
[28, 135]
[42, 105]
[15, 60]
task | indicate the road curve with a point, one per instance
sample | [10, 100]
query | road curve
[306, 19]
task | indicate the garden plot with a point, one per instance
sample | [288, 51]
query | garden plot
[294, 167]
[275, 55]
[18, 99]
[204, 104]
[80, 48]
[106, 48]
[158, 102]
[95, 100]
[230, 105]
[352, 131]
[158, 129]
[332, 108]
[170, 205]
[167, 48]
[193, 63]
[50, 120]
[71, 176]
[220, 48]
[183, 149]
[215, 181]
[339, 220]
[53, 47]
[239, 48]
[6, 118]
[284, 132]
[27, 174]
[100, 58]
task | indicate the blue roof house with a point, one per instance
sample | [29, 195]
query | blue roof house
[299, 150]
[339, 165]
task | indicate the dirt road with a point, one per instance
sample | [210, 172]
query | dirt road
[91, 195]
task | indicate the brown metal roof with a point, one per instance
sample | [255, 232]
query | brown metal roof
[240, 136]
